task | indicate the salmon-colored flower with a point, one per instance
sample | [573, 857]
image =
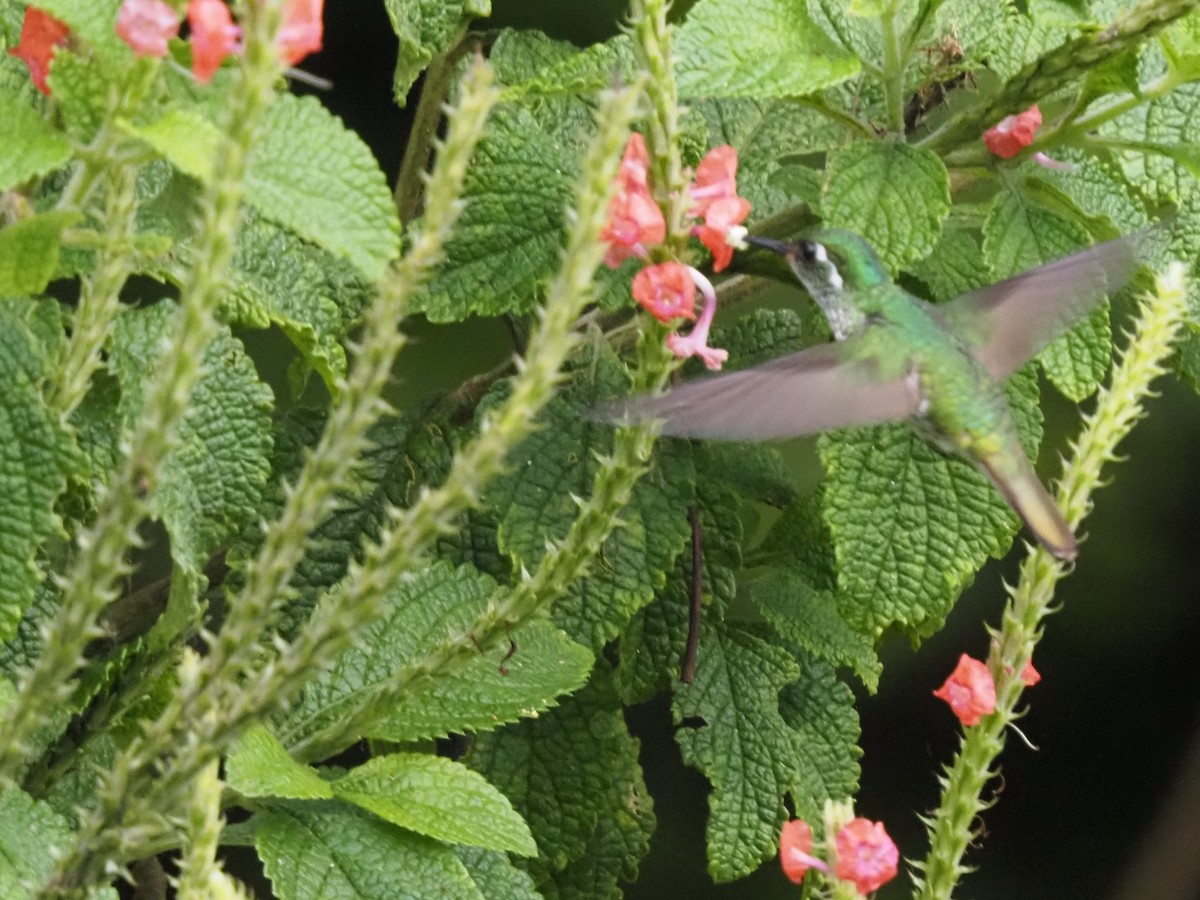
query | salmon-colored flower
[41, 36]
[795, 850]
[666, 291]
[1029, 675]
[214, 36]
[969, 690]
[635, 221]
[722, 215]
[1013, 133]
[715, 199]
[147, 25]
[696, 343]
[301, 31]
[866, 855]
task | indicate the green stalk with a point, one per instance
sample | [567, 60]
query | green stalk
[1118, 407]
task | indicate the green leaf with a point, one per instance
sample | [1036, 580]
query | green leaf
[423, 612]
[809, 618]
[495, 876]
[327, 850]
[93, 22]
[208, 487]
[559, 462]
[317, 177]
[29, 145]
[574, 775]
[775, 51]
[1020, 235]
[731, 730]
[572, 73]
[820, 709]
[80, 84]
[29, 251]
[438, 798]
[910, 525]
[955, 266]
[1181, 46]
[30, 833]
[183, 137]
[894, 195]
[259, 766]
[1167, 127]
[427, 29]
[38, 455]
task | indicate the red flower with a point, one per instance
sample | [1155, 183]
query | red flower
[696, 343]
[147, 25]
[634, 219]
[41, 35]
[865, 855]
[795, 850]
[1014, 133]
[214, 36]
[301, 31]
[666, 291]
[715, 199]
[1029, 675]
[722, 215]
[969, 690]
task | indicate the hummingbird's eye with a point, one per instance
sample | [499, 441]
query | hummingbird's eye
[809, 251]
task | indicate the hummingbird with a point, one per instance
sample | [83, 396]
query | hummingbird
[897, 357]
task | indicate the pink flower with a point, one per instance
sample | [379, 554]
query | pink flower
[969, 690]
[1029, 675]
[301, 31]
[41, 36]
[1013, 133]
[722, 215]
[214, 36]
[666, 291]
[715, 199]
[696, 343]
[635, 221]
[795, 850]
[866, 855]
[147, 25]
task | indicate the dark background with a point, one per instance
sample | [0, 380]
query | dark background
[1114, 719]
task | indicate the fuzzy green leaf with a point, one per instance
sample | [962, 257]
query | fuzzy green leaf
[259, 766]
[1100, 190]
[1020, 235]
[894, 195]
[36, 458]
[592, 69]
[495, 875]
[439, 798]
[312, 174]
[910, 525]
[427, 29]
[574, 775]
[80, 84]
[93, 22]
[820, 709]
[29, 146]
[955, 266]
[775, 51]
[327, 850]
[30, 832]
[731, 730]
[29, 251]
[209, 485]
[559, 462]
[436, 604]
[185, 138]
[1167, 143]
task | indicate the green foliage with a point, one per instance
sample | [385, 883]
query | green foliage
[468, 593]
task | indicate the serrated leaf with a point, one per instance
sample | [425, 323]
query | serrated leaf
[955, 266]
[809, 618]
[1020, 235]
[495, 875]
[427, 29]
[36, 459]
[732, 732]
[317, 177]
[1164, 133]
[29, 145]
[574, 776]
[259, 766]
[559, 461]
[894, 195]
[763, 335]
[208, 487]
[29, 251]
[820, 709]
[910, 525]
[327, 850]
[80, 85]
[423, 612]
[776, 51]
[439, 798]
[592, 69]
[185, 138]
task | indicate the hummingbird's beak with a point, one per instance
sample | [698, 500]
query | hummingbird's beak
[783, 248]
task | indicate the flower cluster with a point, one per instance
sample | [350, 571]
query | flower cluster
[147, 25]
[864, 853]
[667, 290]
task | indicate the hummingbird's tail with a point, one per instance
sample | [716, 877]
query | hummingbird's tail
[1023, 491]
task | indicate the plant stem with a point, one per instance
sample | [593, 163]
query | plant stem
[1118, 407]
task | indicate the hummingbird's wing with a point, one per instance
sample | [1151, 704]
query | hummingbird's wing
[1005, 324]
[814, 390]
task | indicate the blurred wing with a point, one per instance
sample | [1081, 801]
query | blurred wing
[802, 393]
[1005, 324]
